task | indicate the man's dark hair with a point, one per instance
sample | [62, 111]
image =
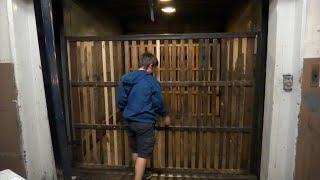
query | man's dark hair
[147, 59]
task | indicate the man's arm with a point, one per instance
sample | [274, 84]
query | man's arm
[122, 98]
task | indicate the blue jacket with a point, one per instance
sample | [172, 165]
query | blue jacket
[139, 97]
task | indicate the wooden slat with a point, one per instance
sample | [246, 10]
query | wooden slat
[215, 139]
[244, 139]
[85, 75]
[99, 102]
[224, 93]
[249, 98]
[208, 138]
[166, 77]
[127, 69]
[114, 111]
[127, 56]
[91, 75]
[240, 101]
[107, 148]
[192, 101]
[119, 63]
[158, 57]
[134, 56]
[141, 48]
[187, 106]
[74, 74]
[150, 47]
[200, 104]
[172, 139]
[179, 153]
[80, 53]
[234, 111]
[158, 146]
[228, 102]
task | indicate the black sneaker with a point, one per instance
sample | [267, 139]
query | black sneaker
[147, 175]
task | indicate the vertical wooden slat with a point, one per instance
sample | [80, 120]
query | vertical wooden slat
[156, 151]
[113, 94]
[179, 138]
[172, 138]
[249, 95]
[228, 103]
[234, 58]
[80, 51]
[244, 139]
[240, 102]
[207, 135]
[224, 98]
[99, 102]
[85, 114]
[127, 70]
[119, 69]
[200, 101]
[107, 148]
[150, 47]
[158, 57]
[134, 55]
[80, 47]
[166, 77]
[191, 100]
[127, 56]
[141, 48]
[74, 75]
[217, 121]
[91, 74]
[212, 77]
[189, 115]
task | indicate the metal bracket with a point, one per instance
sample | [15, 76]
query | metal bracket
[287, 82]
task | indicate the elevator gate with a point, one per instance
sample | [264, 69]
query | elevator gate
[208, 82]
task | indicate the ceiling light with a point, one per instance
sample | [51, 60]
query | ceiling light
[168, 9]
[165, 0]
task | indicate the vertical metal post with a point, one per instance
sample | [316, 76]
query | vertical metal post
[43, 12]
[260, 74]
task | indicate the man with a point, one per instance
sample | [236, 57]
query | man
[140, 101]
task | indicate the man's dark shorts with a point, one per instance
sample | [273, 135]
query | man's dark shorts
[141, 138]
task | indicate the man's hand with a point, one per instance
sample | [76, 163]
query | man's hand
[167, 120]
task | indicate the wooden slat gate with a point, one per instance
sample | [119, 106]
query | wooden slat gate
[208, 84]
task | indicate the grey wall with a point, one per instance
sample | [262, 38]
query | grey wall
[82, 20]
[25, 143]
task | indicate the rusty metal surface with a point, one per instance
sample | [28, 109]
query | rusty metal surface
[308, 146]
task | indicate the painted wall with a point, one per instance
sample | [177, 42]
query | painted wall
[246, 17]
[5, 52]
[21, 50]
[312, 32]
[84, 20]
[281, 115]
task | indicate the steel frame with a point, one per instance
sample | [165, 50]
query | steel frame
[163, 36]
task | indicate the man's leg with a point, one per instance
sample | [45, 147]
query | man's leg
[134, 157]
[140, 166]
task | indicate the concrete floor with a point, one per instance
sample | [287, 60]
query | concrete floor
[129, 176]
